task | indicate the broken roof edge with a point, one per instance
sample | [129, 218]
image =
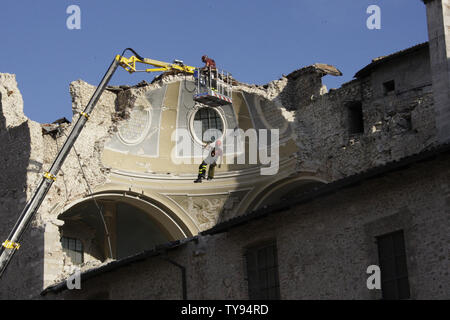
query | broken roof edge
[383, 59]
[318, 192]
[167, 77]
[320, 68]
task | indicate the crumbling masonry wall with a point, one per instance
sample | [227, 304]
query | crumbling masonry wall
[21, 165]
[26, 153]
[324, 247]
[396, 124]
[82, 171]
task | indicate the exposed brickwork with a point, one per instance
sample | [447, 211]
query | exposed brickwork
[395, 124]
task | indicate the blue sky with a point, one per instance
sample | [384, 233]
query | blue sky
[256, 40]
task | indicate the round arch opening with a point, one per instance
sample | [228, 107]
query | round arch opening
[115, 227]
[285, 190]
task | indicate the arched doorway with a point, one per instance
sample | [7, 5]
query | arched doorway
[115, 226]
[285, 190]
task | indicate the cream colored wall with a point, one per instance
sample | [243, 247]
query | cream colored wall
[198, 206]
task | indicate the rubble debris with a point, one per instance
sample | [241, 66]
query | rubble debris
[55, 128]
[320, 68]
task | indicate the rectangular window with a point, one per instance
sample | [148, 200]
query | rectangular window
[74, 249]
[262, 272]
[392, 259]
[355, 118]
[389, 87]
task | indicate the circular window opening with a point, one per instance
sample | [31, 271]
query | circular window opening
[208, 124]
[135, 129]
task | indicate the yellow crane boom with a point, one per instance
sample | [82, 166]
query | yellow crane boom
[11, 245]
[129, 64]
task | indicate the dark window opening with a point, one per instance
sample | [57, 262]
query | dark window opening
[394, 272]
[74, 249]
[389, 87]
[405, 122]
[355, 118]
[262, 272]
[208, 120]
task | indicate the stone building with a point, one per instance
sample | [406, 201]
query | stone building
[362, 179]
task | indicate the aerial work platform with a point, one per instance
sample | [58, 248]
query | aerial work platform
[213, 87]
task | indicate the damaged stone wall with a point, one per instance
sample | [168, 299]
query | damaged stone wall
[395, 125]
[337, 236]
[81, 173]
[21, 165]
[26, 153]
[327, 145]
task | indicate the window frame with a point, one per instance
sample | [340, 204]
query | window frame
[355, 113]
[270, 272]
[217, 119]
[389, 87]
[393, 258]
[78, 249]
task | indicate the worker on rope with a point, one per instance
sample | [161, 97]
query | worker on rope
[214, 155]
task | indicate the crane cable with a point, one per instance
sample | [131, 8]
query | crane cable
[93, 198]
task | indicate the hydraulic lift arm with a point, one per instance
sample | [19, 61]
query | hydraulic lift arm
[129, 64]
[10, 246]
